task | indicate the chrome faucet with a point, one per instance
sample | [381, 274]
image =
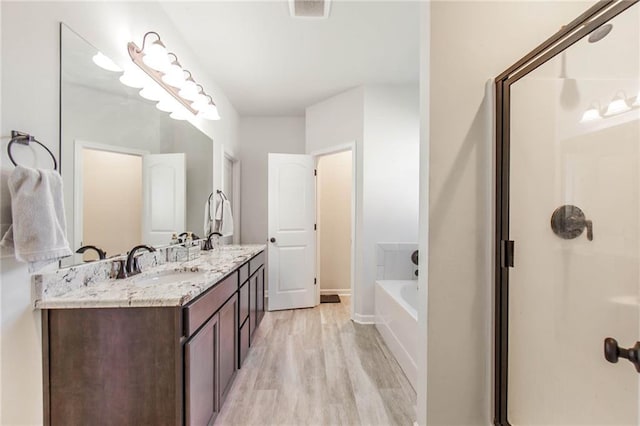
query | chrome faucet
[132, 267]
[207, 244]
[101, 253]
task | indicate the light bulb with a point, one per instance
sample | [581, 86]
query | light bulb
[168, 104]
[134, 77]
[181, 113]
[174, 77]
[201, 102]
[152, 92]
[105, 62]
[209, 113]
[190, 90]
[617, 106]
[591, 114]
[156, 56]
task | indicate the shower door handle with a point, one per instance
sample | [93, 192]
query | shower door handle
[613, 352]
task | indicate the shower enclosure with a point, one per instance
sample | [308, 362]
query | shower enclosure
[567, 291]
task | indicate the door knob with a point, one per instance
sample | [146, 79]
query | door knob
[273, 240]
[613, 352]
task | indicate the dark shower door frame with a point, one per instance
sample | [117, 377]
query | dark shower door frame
[594, 17]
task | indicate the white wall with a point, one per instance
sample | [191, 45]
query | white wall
[470, 43]
[384, 123]
[333, 197]
[258, 137]
[30, 84]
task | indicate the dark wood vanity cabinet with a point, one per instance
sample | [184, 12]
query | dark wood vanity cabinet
[150, 366]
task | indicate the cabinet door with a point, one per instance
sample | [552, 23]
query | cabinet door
[228, 315]
[244, 302]
[260, 296]
[253, 298]
[244, 343]
[201, 365]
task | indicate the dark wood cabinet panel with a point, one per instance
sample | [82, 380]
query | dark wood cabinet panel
[201, 362]
[228, 343]
[243, 303]
[199, 310]
[256, 262]
[243, 336]
[113, 366]
[243, 274]
[260, 296]
[253, 296]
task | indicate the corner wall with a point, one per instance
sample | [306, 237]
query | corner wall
[258, 137]
[30, 102]
[471, 43]
[383, 121]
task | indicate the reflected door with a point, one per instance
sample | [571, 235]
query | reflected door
[574, 214]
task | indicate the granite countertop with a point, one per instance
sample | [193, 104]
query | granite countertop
[157, 286]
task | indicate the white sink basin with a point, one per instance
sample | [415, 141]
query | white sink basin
[170, 277]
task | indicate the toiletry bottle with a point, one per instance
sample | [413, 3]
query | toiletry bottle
[174, 239]
[189, 239]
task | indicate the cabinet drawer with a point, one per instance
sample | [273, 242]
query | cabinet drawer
[244, 303]
[201, 309]
[244, 343]
[243, 271]
[256, 263]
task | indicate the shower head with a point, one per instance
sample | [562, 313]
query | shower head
[600, 33]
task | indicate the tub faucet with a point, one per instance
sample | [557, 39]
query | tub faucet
[207, 244]
[101, 253]
[132, 267]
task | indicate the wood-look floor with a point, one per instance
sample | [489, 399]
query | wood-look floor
[317, 367]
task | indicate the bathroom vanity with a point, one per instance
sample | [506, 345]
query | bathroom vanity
[159, 348]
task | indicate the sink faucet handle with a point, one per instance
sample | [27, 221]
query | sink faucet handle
[122, 269]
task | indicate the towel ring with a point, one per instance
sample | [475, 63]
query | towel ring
[25, 139]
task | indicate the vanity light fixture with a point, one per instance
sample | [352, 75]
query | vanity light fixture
[167, 73]
[617, 106]
[104, 62]
[592, 113]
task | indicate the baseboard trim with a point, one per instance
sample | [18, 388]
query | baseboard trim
[364, 319]
[338, 291]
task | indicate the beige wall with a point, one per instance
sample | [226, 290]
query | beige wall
[334, 221]
[471, 43]
[112, 201]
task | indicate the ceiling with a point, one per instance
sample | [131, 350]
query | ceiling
[269, 63]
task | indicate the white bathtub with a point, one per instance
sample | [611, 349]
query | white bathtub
[397, 321]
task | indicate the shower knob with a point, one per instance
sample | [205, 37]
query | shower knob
[568, 222]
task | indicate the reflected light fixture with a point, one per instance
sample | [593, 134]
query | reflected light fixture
[134, 77]
[167, 73]
[592, 113]
[617, 106]
[104, 62]
[637, 101]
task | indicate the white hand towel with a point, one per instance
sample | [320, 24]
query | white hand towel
[38, 234]
[224, 218]
[209, 223]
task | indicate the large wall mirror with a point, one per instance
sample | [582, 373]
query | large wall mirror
[132, 174]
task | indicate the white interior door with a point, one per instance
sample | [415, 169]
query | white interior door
[164, 193]
[291, 231]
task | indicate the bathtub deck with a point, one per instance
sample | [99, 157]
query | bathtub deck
[316, 367]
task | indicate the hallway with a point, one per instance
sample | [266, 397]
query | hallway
[316, 367]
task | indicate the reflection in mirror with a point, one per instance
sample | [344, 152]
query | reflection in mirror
[132, 174]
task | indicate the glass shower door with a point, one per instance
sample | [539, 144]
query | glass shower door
[574, 214]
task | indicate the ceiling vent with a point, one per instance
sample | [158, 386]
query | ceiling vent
[318, 9]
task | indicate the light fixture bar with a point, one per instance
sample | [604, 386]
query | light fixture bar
[165, 70]
[136, 56]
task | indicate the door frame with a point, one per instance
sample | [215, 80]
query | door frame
[235, 207]
[582, 26]
[350, 146]
[78, 213]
